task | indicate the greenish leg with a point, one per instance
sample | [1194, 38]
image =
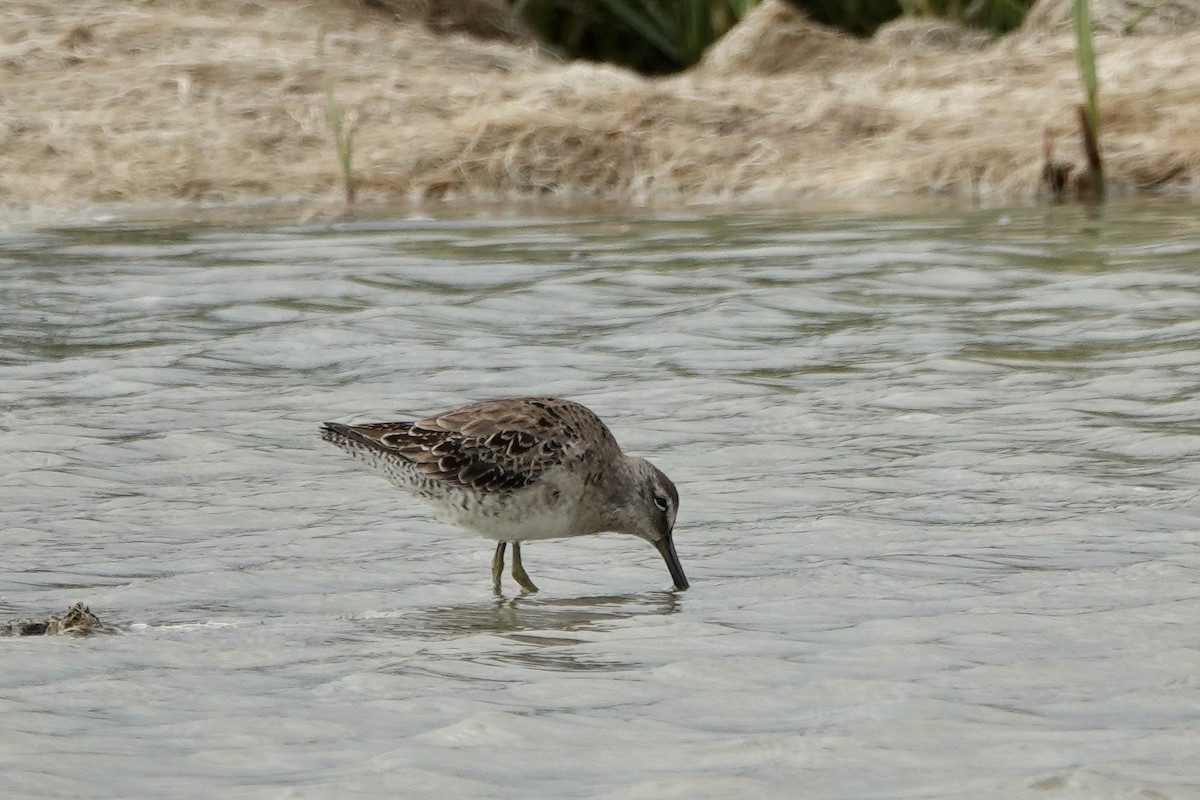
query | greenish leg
[519, 570]
[498, 566]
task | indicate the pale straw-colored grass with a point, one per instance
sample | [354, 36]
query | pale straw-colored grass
[221, 100]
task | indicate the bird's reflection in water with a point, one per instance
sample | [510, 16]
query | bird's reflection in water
[517, 615]
[523, 631]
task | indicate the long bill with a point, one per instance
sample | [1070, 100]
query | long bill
[666, 546]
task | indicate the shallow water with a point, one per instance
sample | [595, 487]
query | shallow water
[939, 509]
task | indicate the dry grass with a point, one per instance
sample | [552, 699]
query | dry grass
[145, 101]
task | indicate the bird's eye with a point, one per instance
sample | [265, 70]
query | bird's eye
[661, 503]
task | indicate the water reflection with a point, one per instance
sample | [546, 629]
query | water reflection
[515, 616]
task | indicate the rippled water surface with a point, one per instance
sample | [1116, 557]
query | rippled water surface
[939, 509]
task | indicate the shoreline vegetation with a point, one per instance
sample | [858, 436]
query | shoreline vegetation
[230, 101]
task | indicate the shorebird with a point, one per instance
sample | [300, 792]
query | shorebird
[521, 469]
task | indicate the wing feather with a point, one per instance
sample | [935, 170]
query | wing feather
[494, 446]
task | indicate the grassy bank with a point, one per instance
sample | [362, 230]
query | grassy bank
[211, 101]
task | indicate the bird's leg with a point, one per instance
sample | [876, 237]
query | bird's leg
[498, 565]
[518, 571]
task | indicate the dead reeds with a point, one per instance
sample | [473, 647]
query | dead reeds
[219, 100]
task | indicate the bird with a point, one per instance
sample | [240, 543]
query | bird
[521, 469]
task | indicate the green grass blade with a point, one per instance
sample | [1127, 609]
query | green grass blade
[341, 141]
[1085, 52]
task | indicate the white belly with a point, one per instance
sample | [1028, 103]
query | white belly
[519, 517]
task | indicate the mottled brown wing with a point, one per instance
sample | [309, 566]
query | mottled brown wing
[496, 445]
